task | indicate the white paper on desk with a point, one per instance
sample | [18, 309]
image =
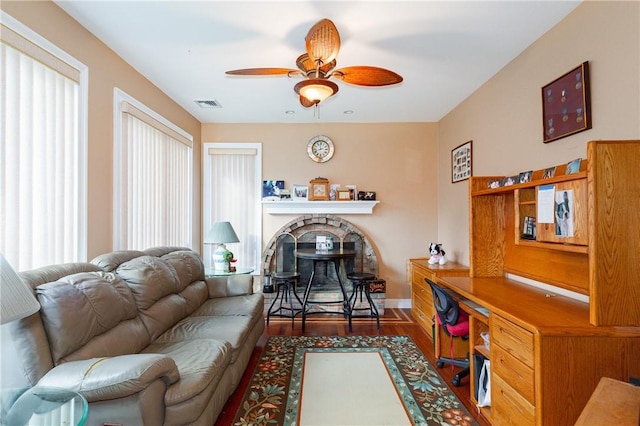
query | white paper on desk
[546, 206]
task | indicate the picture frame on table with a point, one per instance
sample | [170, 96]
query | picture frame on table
[566, 104]
[299, 192]
[461, 162]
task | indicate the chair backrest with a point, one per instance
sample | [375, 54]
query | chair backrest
[447, 308]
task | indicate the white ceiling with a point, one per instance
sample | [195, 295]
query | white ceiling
[445, 50]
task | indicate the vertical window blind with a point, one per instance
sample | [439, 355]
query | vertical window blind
[231, 191]
[154, 183]
[42, 156]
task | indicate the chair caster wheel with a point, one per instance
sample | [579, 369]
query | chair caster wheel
[439, 364]
[456, 381]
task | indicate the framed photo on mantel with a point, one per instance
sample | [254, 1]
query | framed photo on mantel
[461, 162]
[566, 104]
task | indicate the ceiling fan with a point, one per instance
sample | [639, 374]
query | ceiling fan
[317, 67]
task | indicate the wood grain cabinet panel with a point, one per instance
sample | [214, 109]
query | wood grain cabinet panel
[508, 407]
[514, 372]
[514, 339]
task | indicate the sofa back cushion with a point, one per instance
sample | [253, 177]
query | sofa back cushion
[32, 356]
[90, 314]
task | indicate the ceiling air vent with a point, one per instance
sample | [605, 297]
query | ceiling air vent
[212, 103]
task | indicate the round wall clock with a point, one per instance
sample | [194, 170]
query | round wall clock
[320, 149]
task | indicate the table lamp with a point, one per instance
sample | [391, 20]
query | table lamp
[221, 233]
[18, 301]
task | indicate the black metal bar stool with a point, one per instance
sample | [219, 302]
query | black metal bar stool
[361, 283]
[286, 296]
[285, 279]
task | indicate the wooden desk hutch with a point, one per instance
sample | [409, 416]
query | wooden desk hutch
[548, 352]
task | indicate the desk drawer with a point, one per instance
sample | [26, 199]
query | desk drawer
[418, 276]
[422, 311]
[514, 372]
[424, 293]
[508, 407]
[514, 339]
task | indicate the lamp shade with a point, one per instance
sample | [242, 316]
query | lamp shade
[220, 233]
[17, 299]
[316, 90]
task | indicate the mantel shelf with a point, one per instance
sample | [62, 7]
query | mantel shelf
[310, 207]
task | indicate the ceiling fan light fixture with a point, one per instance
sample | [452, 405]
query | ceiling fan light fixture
[316, 90]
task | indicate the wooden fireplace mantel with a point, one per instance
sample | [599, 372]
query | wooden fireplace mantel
[325, 207]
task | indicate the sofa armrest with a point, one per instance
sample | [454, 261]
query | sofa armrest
[101, 379]
[230, 285]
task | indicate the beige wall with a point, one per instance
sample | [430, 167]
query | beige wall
[398, 161]
[504, 117]
[407, 164]
[106, 71]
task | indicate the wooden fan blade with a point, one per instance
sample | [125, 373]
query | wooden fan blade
[262, 71]
[367, 76]
[305, 102]
[323, 41]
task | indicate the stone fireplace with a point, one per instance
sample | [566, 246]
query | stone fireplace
[301, 233]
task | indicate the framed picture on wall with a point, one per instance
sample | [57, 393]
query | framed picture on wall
[461, 162]
[566, 104]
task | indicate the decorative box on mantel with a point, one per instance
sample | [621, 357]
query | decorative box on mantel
[327, 207]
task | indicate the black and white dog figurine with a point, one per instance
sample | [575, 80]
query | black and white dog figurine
[438, 255]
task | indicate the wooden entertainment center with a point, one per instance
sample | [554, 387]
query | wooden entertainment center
[549, 351]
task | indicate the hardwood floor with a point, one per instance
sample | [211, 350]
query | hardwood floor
[394, 322]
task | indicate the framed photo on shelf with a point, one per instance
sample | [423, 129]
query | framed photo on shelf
[510, 180]
[343, 194]
[573, 166]
[549, 173]
[525, 176]
[461, 162]
[353, 192]
[300, 192]
[566, 104]
[271, 189]
[495, 183]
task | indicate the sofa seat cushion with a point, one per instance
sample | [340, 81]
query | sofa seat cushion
[233, 330]
[247, 305]
[201, 364]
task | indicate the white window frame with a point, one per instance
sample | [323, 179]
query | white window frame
[83, 126]
[119, 96]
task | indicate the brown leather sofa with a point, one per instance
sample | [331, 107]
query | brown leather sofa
[144, 336]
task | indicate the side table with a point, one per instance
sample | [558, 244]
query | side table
[48, 406]
[239, 271]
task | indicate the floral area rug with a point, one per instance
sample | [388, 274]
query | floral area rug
[274, 392]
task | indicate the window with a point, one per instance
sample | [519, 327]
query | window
[152, 179]
[232, 192]
[43, 166]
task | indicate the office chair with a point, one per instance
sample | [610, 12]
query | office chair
[455, 323]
